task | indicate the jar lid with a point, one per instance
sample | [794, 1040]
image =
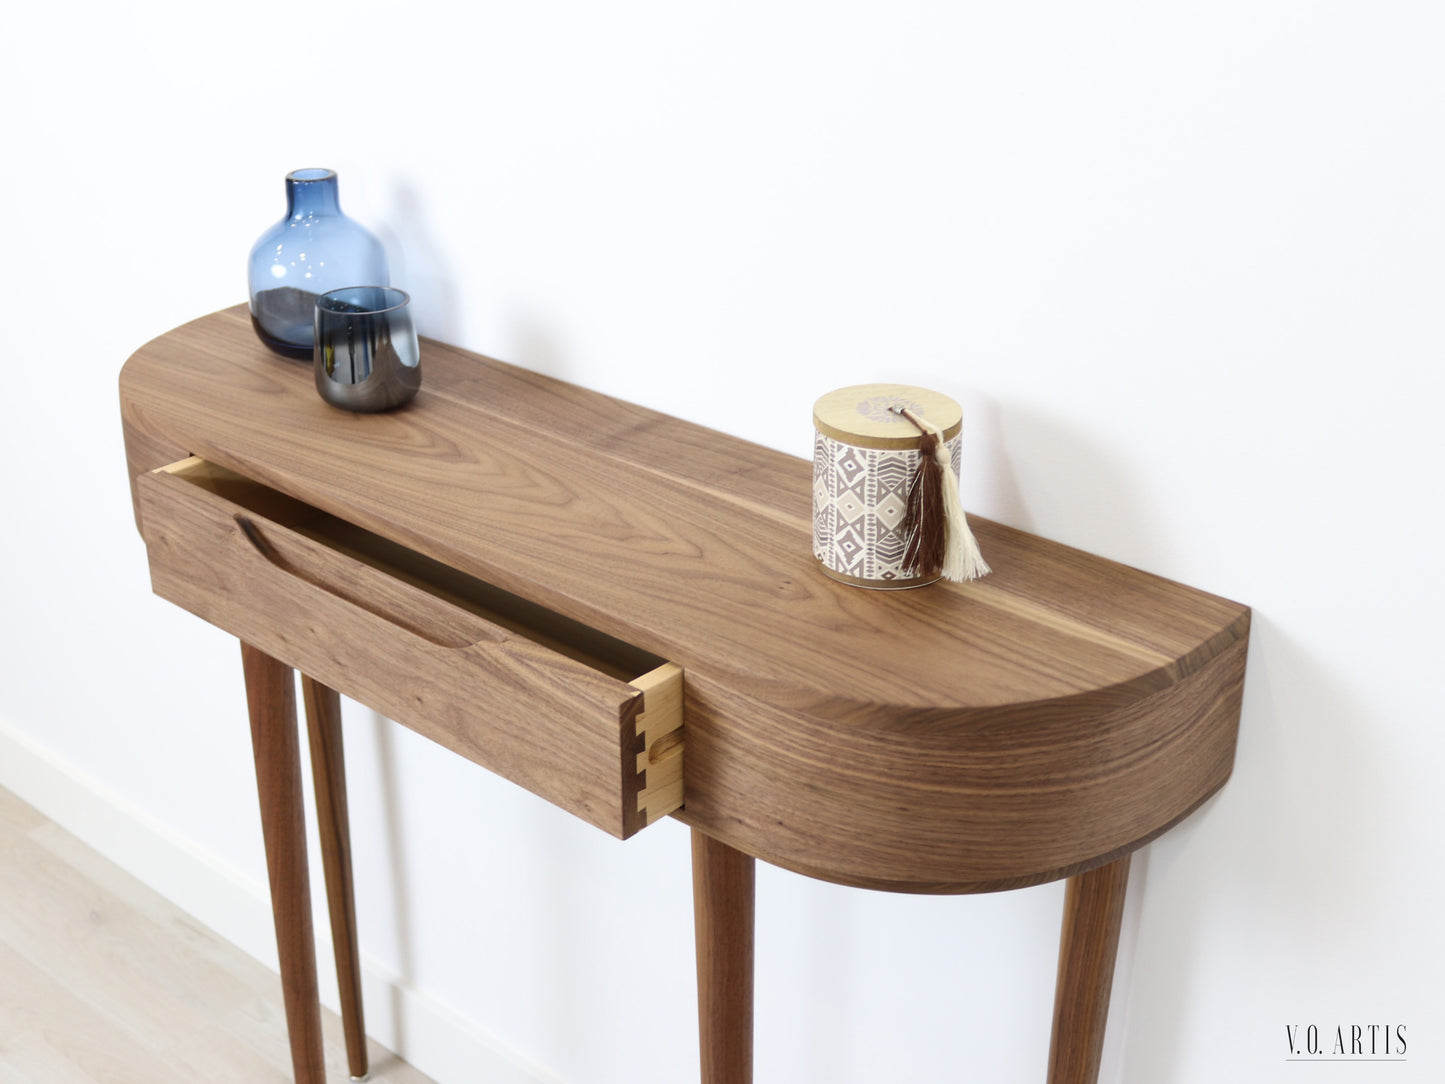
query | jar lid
[860, 415]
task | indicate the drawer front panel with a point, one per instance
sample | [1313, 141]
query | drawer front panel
[538, 713]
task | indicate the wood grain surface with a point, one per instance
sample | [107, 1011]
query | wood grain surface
[724, 898]
[1093, 913]
[564, 728]
[956, 738]
[271, 700]
[328, 772]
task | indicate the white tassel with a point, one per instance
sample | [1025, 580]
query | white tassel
[962, 559]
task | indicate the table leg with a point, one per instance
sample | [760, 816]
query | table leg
[271, 698]
[1093, 912]
[722, 892]
[328, 770]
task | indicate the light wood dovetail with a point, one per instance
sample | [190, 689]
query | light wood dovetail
[659, 727]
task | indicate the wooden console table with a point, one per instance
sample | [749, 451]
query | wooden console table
[619, 611]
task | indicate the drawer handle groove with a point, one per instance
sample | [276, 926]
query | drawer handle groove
[256, 539]
[440, 629]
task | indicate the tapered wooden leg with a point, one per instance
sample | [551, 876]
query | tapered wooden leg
[271, 698]
[1093, 911]
[722, 893]
[328, 770]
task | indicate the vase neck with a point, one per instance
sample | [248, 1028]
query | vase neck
[311, 192]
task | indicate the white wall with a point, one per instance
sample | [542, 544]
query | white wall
[1182, 264]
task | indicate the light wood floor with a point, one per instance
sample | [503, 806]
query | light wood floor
[104, 982]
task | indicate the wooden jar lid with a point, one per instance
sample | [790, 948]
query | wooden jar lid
[860, 416]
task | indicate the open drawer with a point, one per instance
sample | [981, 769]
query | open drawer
[591, 724]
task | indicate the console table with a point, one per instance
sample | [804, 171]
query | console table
[619, 611]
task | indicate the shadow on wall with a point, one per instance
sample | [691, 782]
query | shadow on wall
[554, 939]
[554, 886]
[1033, 471]
[987, 481]
[531, 345]
[1275, 854]
[829, 1019]
[384, 736]
[419, 265]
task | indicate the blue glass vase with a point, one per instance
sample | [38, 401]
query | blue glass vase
[311, 251]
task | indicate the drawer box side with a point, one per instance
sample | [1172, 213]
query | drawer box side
[545, 714]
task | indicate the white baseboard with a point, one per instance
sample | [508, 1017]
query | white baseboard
[421, 1029]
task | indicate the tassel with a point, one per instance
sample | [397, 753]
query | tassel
[958, 556]
[923, 518]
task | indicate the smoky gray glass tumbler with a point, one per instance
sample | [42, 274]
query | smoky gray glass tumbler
[366, 353]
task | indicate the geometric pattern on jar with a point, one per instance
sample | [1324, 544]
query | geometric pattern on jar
[860, 496]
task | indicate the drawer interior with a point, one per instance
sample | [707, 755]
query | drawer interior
[597, 650]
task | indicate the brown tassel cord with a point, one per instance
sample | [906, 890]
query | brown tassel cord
[923, 524]
[934, 523]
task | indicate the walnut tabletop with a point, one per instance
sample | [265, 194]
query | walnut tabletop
[1042, 721]
[620, 611]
